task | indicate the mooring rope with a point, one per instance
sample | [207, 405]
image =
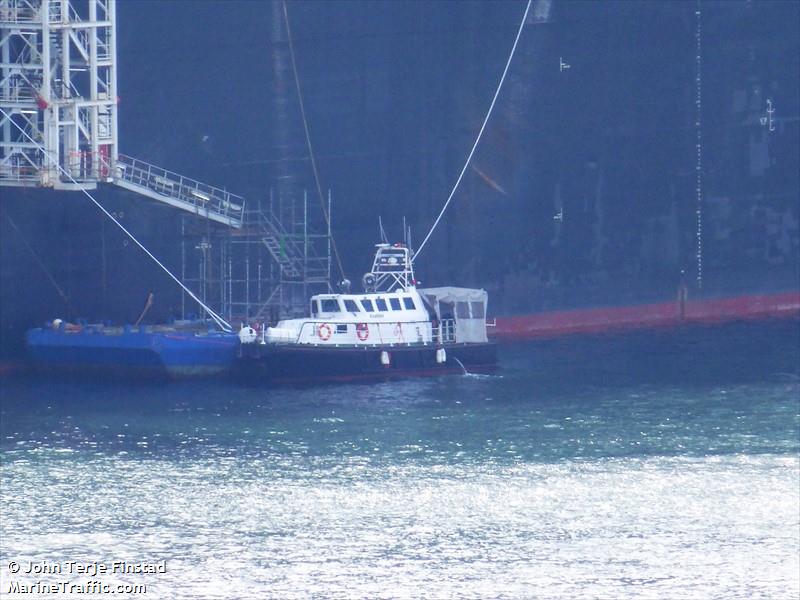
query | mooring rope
[221, 323]
[39, 262]
[480, 133]
[308, 141]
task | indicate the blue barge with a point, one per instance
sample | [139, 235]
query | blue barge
[147, 351]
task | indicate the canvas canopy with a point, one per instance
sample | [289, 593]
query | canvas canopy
[467, 306]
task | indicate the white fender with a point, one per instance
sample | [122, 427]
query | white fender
[247, 335]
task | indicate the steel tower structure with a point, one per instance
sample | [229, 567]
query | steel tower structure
[58, 130]
[58, 85]
[58, 90]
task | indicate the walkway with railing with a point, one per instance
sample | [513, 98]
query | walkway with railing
[19, 11]
[176, 190]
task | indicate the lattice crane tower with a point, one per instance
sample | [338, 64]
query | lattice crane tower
[58, 88]
[59, 84]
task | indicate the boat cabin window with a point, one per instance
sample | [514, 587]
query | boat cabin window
[395, 303]
[477, 310]
[330, 305]
[381, 304]
[367, 304]
[314, 308]
[351, 306]
[462, 310]
[341, 328]
[409, 303]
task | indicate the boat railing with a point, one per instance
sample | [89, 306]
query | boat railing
[15, 11]
[385, 333]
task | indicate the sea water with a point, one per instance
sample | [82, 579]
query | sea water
[658, 465]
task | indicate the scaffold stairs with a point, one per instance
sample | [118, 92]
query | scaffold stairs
[281, 247]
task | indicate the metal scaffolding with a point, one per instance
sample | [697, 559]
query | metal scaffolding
[264, 271]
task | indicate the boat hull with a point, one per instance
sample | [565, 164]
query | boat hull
[130, 354]
[298, 363]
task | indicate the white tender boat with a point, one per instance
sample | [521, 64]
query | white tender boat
[392, 329]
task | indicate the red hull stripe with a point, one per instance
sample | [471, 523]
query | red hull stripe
[645, 316]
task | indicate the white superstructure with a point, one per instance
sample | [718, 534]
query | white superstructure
[388, 318]
[391, 311]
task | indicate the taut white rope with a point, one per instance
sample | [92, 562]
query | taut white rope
[480, 133]
[221, 323]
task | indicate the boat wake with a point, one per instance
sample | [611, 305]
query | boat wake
[482, 376]
[466, 373]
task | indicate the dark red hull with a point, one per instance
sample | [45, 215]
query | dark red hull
[647, 316]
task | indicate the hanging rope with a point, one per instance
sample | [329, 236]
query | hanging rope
[39, 262]
[382, 231]
[221, 323]
[308, 141]
[480, 133]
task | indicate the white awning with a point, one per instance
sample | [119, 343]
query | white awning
[455, 294]
[469, 311]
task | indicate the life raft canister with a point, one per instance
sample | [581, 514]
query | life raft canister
[324, 331]
[362, 331]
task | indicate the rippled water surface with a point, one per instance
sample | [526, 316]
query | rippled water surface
[648, 466]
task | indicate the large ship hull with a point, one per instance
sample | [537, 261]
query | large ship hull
[648, 316]
[582, 204]
[130, 353]
[273, 363]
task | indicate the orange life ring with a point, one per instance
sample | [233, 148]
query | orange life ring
[362, 331]
[324, 331]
